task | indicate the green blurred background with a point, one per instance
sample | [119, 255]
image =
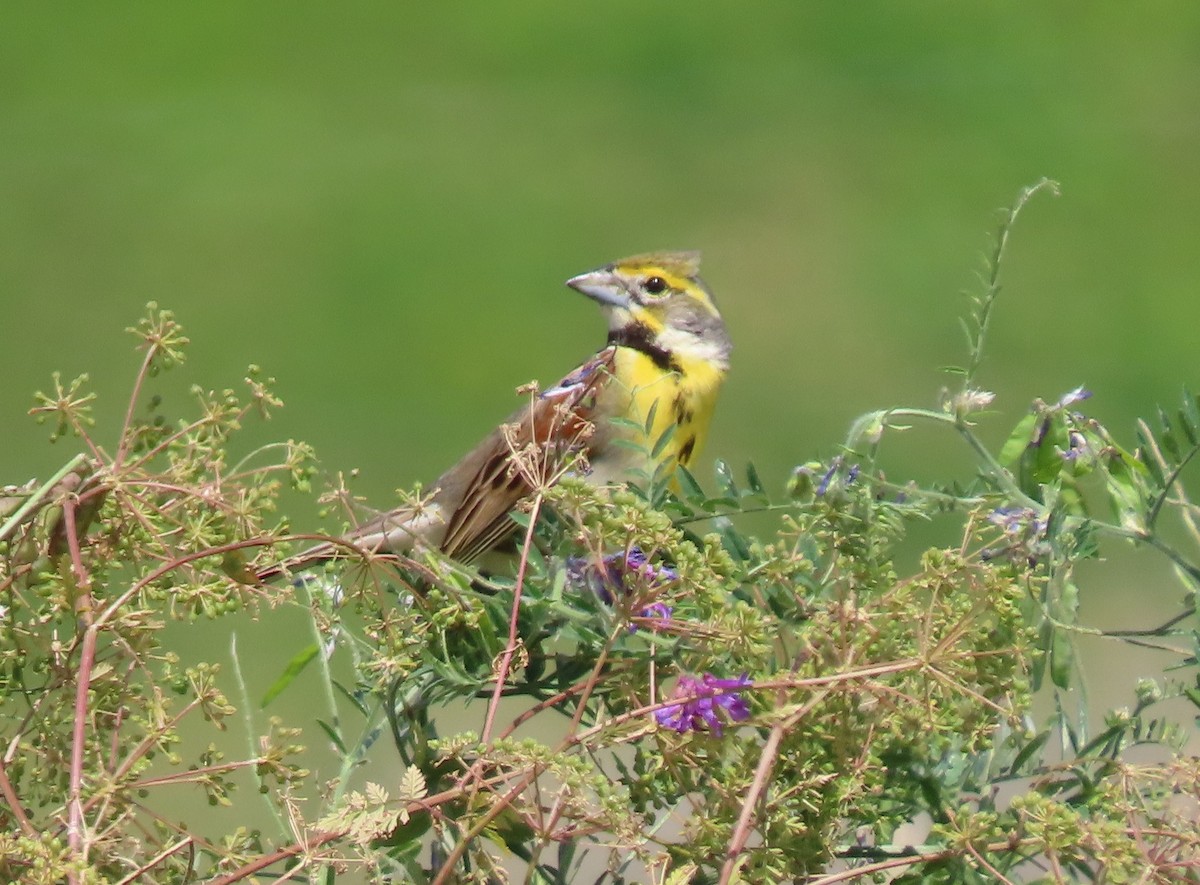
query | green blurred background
[379, 203]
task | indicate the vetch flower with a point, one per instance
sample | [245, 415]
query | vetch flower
[655, 612]
[835, 467]
[702, 697]
[1078, 445]
[1026, 531]
[1071, 397]
[615, 576]
[607, 579]
[1017, 521]
[823, 485]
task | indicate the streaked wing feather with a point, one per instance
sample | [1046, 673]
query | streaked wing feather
[487, 484]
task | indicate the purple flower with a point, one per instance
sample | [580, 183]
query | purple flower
[655, 612]
[1078, 445]
[823, 485]
[1018, 521]
[1071, 397]
[835, 467]
[1026, 532]
[608, 578]
[618, 575]
[700, 703]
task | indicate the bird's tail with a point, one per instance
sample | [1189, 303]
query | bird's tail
[394, 532]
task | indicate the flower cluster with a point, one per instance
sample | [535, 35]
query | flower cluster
[817, 478]
[701, 698]
[1025, 531]
[835, 467]
[619, 574]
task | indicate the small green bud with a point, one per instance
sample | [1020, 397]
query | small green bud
[1148, 692]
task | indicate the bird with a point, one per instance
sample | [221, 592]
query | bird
[660, 370]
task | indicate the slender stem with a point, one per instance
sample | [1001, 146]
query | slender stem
[992, 468]
[762, 772]
[134, 396]
[133, 591]
[892, 863]
[194, 775]
[251, 728]
[447, 873]
[83, 602]
[14, 802]
[322, 659]
[511, 648]
[1169, 482]
[87, 658]
[156, 860]
[1160, 630]
[987, 301]
[264, 861]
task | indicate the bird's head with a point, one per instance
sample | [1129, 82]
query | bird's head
[660, 299]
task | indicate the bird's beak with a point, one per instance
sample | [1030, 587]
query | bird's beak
[603, 286]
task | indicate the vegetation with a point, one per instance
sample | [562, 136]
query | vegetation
[697, 704]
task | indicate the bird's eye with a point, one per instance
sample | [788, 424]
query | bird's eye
[655, 285]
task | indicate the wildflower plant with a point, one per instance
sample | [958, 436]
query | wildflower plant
[683, 701]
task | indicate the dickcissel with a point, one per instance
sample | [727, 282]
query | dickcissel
[661, 369]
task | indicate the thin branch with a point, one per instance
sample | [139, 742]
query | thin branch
[1171, 478]
[138, 380]
[87, 658]
[1162, 629]
[156, 860]
[511, 646]
[14, 803]
[882, 866]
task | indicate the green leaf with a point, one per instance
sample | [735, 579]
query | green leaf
[688, 485]
[734, 542]
[627, 424]
[1047, 462]
[1067, 607]
[333, 736]
[651, 413]
[1189, 417]
[663, 440]
[1166, 437]
[1150, 462]
[293, 669]
[1018, 440]
[725, 480]
[1062, 659]
[1126, 492]
[1193, 695]
[1027, 752]
[1186, 427]
[752, 479]
[352, 698]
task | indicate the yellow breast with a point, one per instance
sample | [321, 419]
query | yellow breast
[649, 403]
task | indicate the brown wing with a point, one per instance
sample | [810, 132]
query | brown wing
[529, 450]
[468, 514]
